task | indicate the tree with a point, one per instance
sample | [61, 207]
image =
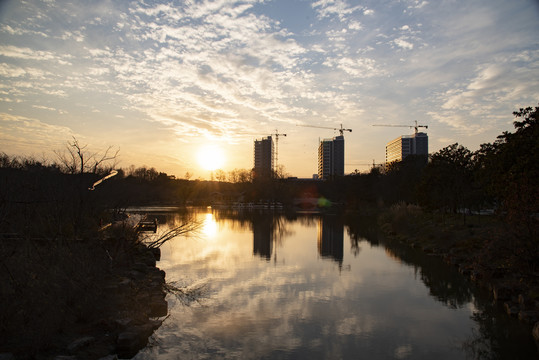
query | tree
[448, 179]
[240, 176]
[220, 175]
[76, 159]
[401, 179]
[509, 170]
[280, 172]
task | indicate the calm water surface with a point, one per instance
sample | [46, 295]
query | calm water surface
[319, 287]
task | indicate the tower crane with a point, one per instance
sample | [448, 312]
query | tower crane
[408, 126]
[341, 130]
[276, 134]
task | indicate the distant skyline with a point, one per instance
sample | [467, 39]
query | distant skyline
[162, 80]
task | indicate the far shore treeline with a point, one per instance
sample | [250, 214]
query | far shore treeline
[502, 176]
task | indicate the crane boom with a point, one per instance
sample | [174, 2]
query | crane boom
[341, 130]
[408, 126]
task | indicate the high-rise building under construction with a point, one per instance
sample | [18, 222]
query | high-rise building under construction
[263, 157]
[331, 157]
[398, 149]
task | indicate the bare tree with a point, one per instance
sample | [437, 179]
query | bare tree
[220, 175]
[107, 157]
[77, 159]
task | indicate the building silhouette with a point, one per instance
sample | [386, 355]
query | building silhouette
[331, 157]
[263, 157]
[399, 148]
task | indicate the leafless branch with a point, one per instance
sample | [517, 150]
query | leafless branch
[188, 227]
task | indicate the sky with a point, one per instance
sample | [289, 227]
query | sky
[164, 80]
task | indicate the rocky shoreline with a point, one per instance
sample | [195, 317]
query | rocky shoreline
[139, 291]
[131, 308]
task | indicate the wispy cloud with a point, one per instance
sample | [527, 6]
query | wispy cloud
[339, 8]
[26, 53]
[26, 135]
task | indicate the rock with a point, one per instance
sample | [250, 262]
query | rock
[501, 293]
[529, 317]
[131, 341]
[143, 297]
[128, 344]
[133, 293]
[465, 270]
[124, 322]
[158, 276]
[475, 276]
[109, 357]
[156, 252]
[125, 283]
[141, 267]
[149, 259]
[525, 302]
[155, 324]
[535, 334]
[158, 273]
[79, 344]
[7, 356]
[144, 331]
[158, 307]
[510, 308]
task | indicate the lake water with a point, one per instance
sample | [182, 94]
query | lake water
[319, 287]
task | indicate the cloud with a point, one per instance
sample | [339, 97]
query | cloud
[360, 67]
[498, 82]
[458, 121]
[25, 134]
[25, 53]
[43, 107]
[403, 43]
[11, 71]
[417, 4]
[20, 31]
[232, 58]
[339, 8]
[355, 25]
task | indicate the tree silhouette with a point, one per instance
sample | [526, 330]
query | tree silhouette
[448, 179]
[509, 170]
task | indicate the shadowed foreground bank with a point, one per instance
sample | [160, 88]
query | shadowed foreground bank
[68, 284]
[84, 298]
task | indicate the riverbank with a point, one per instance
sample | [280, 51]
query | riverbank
[79, 299]
[483, 248]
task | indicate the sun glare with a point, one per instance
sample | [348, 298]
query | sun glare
[211, 157]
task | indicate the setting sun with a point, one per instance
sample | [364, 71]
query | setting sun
[211, 157]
